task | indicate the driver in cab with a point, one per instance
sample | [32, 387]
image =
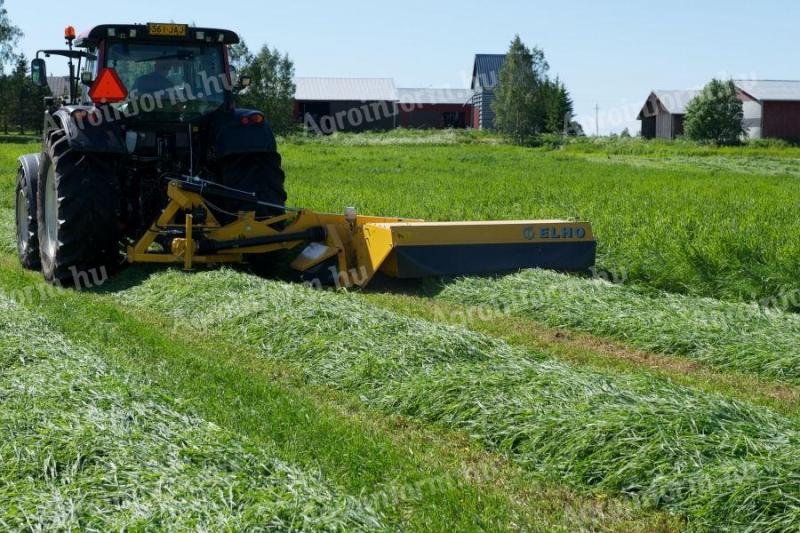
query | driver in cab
[156, 81]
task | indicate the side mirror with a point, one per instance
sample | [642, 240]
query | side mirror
[87, 78]
[39, 72]
[244, 82]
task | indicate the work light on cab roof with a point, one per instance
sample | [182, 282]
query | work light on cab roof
[191, 178]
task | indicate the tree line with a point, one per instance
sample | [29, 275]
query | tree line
[527, 101]
[21, 102]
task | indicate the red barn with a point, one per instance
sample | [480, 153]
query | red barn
[435, 108]
[771, 108]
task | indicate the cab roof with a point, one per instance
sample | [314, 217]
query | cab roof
[157, 32]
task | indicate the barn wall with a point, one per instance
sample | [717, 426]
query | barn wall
[781, 120]
[433, 116]
[752, 118]
[351, 116]
[664, 125]
[485, 113]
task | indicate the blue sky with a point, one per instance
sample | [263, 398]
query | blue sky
[609, 54]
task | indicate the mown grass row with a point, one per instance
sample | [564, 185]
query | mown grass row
[721, 463]
[85, 446]
[729, 336]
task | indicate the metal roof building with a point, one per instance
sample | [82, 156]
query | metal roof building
[58, 85]
[435, 108]
[345, 89]
[485, 77]
[328, 105]
[771, 108]
[434, 96]
[662, 113]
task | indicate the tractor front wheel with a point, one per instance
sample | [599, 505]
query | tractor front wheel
[26, 221]
[78, 215]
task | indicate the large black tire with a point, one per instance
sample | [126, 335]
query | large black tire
[26, 220]
[258, 173]
[261, 174]
[78, 214]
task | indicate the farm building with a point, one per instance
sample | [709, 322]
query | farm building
[662, 113]
[771, 108]
[328, 105]
[59, 85]
[435, 108]
[485, 77]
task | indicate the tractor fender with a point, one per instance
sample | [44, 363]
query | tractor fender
[105, 136]
[229, 136]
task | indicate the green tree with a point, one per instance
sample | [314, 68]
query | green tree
[715, 115]
[27, 99]
[9, 36]
[560, 109]
[520, 102]
[271, 88]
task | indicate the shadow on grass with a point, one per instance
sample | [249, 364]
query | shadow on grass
[19, 139]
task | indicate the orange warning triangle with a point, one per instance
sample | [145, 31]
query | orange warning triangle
[108, 88]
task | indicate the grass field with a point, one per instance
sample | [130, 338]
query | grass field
[711, 232]
[532, 401]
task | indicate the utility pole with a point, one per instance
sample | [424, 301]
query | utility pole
[597, 120]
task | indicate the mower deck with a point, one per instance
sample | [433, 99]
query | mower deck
[357, 247]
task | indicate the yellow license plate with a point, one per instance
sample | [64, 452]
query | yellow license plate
[169, 30]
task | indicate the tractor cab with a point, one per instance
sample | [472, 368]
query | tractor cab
[164, 71]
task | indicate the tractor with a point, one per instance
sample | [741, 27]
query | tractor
[148, 159]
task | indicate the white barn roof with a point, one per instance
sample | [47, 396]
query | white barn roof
[675, 102]
[771, 90]
[434, 96]
[345, 89]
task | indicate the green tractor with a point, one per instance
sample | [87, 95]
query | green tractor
[146, 104]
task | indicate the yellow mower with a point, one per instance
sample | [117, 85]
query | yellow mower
[349, 249]
[150, 161]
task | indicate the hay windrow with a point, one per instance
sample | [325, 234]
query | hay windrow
[721, 463]
[83, 446]
[725, 335]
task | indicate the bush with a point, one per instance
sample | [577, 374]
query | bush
[715, 115]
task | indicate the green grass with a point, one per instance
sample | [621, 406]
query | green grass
[370, 410]
[585, 349]
[86, 446]
[415, 477]
[703, 232]
[719, 462]
[728, 336]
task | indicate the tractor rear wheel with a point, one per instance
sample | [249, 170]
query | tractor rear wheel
[78, 214]
[261, 174]
[26, 221]
[258, 173]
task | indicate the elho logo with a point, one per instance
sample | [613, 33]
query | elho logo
[560, 232]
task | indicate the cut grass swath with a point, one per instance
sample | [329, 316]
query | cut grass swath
[83, 446]
[721, 463]
[731, 336]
